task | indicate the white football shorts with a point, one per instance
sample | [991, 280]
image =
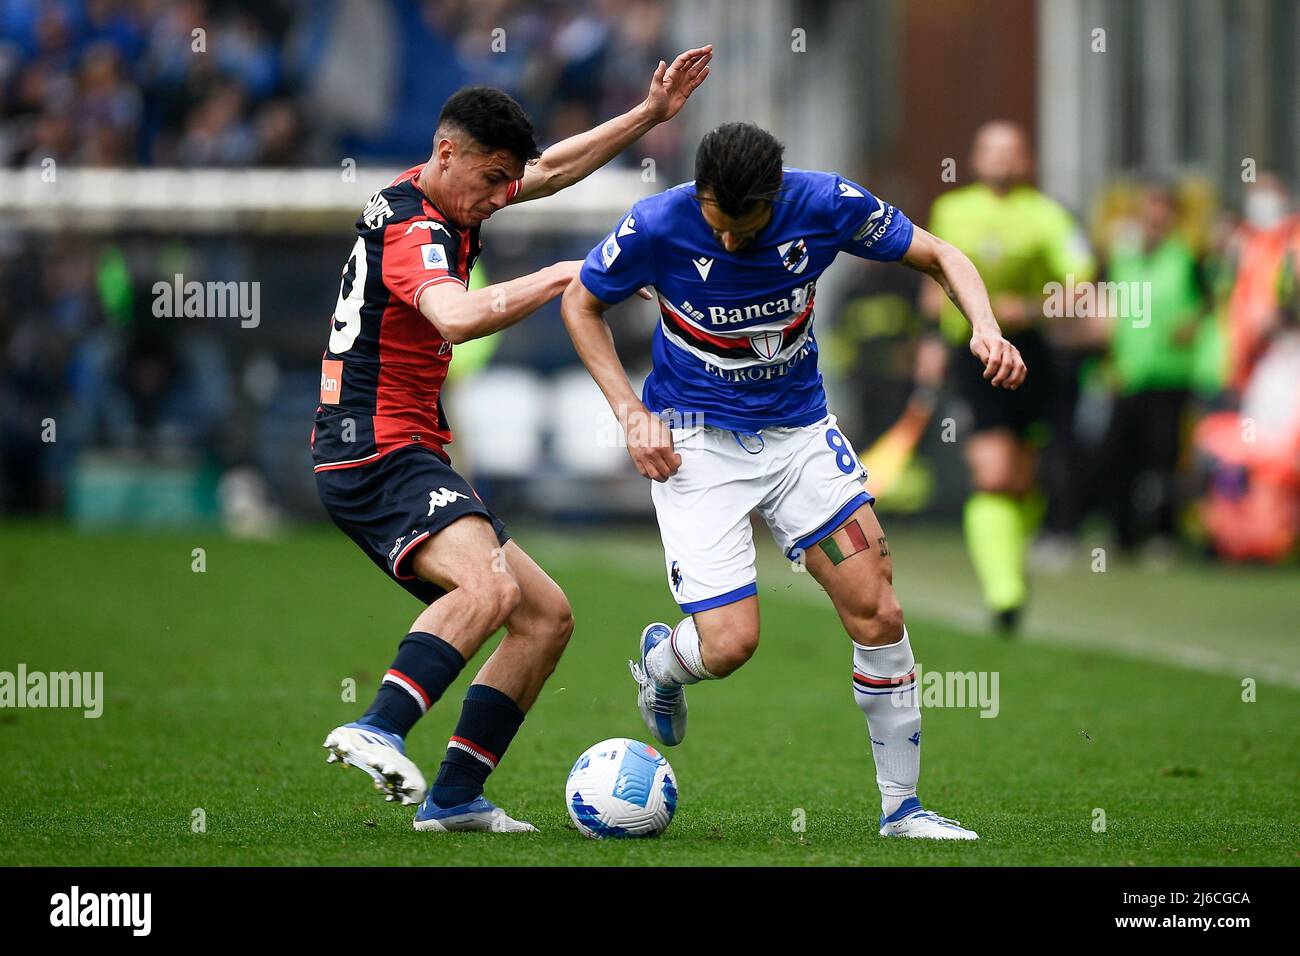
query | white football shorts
[804, 481]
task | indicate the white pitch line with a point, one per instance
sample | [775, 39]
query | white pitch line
[634, 560]
[1064, 633]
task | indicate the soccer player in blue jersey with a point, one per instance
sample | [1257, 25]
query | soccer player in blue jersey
[733, 418]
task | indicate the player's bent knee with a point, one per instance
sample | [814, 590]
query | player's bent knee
[728, 652]
[889, 618]
[507, 594]
[553, 628]
[546, 619]
[560, 625]
[495, 596]
[878, 621]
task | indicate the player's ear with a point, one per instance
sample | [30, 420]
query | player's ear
[444, 151]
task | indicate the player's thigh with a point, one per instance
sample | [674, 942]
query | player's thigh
[818, 482]
[703, 515]
[464, 554]
[854, 566]
[543, 610]
[394, 507]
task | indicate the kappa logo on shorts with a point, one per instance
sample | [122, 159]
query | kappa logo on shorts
[675, 577]
[441, 497]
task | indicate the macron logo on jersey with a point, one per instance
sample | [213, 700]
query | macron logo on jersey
[847, 190]
[702, 266]
[627, 228]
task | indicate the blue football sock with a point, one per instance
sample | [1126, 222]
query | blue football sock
[488, 722]
[424, 667]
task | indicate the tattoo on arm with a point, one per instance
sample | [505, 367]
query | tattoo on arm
[884, 546]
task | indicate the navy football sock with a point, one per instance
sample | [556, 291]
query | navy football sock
[488, 722]
[424, 667]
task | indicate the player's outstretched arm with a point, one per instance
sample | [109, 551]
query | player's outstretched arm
[460, 315]
[959, 278]
[577, 157]
[649, 440]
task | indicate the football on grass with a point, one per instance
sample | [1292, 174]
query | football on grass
[621, 788]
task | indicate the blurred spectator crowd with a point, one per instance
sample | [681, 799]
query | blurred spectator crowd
[275, 83]
[1174, 415]
[1178, 423]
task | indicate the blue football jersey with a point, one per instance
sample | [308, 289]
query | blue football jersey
[734, 346]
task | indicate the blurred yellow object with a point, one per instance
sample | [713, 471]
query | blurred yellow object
[473, 355]
[888, 457]
[1198, 210]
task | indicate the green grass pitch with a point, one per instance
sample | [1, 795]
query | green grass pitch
[221, 685]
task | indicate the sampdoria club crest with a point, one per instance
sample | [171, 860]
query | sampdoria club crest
[766, 344]
[794, 255]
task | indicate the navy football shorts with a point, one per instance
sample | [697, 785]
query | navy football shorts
[392, 504]
[1023, 410]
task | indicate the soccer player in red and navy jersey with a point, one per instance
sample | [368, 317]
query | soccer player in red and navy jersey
[380, 438]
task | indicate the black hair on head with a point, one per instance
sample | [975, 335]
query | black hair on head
[492, 119]
[741, 165]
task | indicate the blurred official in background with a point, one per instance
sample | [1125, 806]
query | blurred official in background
[1020, 240]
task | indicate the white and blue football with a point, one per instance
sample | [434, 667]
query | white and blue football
[621, 788]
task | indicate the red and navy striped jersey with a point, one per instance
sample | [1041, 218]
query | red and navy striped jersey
[382, 373]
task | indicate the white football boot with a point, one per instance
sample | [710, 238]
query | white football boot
[662, 708]
[913, 820]
[380, 754]
[479, 814]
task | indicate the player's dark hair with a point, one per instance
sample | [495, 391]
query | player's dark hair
[741, 165]
[492, 119]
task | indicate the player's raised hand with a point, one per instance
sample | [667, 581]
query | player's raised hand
[1003, 365]
[650, 443]
[673, 83]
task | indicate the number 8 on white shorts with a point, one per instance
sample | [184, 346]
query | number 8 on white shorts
[804, 481]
